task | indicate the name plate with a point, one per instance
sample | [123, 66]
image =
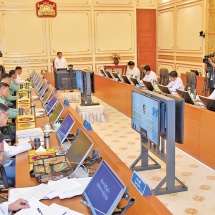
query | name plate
[140, 184]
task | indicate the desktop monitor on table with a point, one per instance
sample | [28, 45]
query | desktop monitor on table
[104, 191]
[56, 113]
[108, 74]
[134, 81]
[115, 75]
[125, 79]
[186, 96]
[49, 107]
[65, 129]
[208, 103]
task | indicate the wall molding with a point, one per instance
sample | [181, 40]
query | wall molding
[166, 57]
[189, 59]
[108, 58]
[76, 59]
[27, 61]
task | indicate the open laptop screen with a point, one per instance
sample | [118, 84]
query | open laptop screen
[46, 96]
[56, 113]
[49, 107]
[65, 128]
[42, 91]
[104, 191]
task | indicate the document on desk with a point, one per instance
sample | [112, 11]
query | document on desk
[38, 208]
[32, 132]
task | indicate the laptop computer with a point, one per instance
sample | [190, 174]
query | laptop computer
[164, 89]
[186, 96]
[134, 81]
[115, 75]
[46, 97]
[56, 113]
[65, 129]
[125, 79]
[208, 103]
[108, 74]
[102, 72]
[38, 87]
[148, 85]
[104, 191]
[49, 107]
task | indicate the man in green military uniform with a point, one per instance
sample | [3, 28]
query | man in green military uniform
[13, 87]
[6, 79]
[4, 93]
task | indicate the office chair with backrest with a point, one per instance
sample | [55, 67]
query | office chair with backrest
[142, 74]
[190, 81]
[164, 76]
[8, 134]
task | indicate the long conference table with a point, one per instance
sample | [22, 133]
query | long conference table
[149, 205]
[199, 139]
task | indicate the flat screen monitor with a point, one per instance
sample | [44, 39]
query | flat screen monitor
[37, 82]
[186, 96]
[102, 72]
[104, 191]
[42, 90]
[49, 107]
[56, 113]
[79, 81]
[195, 71]
[125, 79]
[46, 97]
[146, 116]
[115, 75]
[108, 74]
[164, 89]
[79, 150]
[62, 69]
[37, 89]
[134, 81]
[148, 85]
[92, 82]
[65, 128]
[208, 103]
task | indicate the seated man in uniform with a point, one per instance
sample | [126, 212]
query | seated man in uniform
[18, 71]
[134, 71]
[13, 87]
[175, 82]
[149, 74]
[4, 93]
[10, 151]
[6, 79]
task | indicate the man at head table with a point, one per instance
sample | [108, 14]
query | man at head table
[149, 74]
[175, 82]
[134, 71]
[60, 62]
[18, 79]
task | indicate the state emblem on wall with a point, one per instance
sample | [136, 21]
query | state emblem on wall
[46, 8]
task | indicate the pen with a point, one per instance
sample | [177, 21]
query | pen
[39, 211]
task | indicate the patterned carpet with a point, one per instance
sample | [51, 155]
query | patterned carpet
[125, 142]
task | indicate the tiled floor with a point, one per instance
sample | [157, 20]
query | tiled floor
[125, 142]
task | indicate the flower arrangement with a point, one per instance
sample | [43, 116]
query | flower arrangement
[116, 56]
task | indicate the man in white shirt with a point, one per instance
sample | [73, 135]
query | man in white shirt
[6, 208]
[175, 82]
[18, 71]
[149, 74]
[60, 62]
[134, 71]
[10, 151]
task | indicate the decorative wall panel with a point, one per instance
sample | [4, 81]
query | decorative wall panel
[23, 34]
[189, 24]
[113, 2]
[183, 68]
[114, 31]
[166, 30]
[146, 3]
[70, 33]
[169, 66]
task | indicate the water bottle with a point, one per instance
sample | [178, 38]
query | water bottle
[33, 111]
[29, 94]
[194, 93]
[47, 144]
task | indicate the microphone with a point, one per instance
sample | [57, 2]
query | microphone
[91, 207]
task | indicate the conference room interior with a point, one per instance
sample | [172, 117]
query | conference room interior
[173, 35]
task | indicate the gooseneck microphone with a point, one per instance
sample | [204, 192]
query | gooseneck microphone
[91, 207]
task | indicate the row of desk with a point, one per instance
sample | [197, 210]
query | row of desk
[199, 140]
[143, 205]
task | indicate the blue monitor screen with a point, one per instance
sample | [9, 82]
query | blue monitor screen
[42, 91]
[79, 81]
[104, 191]
[146, 116]
[65, 128]
[51, 105]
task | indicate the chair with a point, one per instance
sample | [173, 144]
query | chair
[8, 134]
[142, 74]
[190, 81]
[164, 76]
